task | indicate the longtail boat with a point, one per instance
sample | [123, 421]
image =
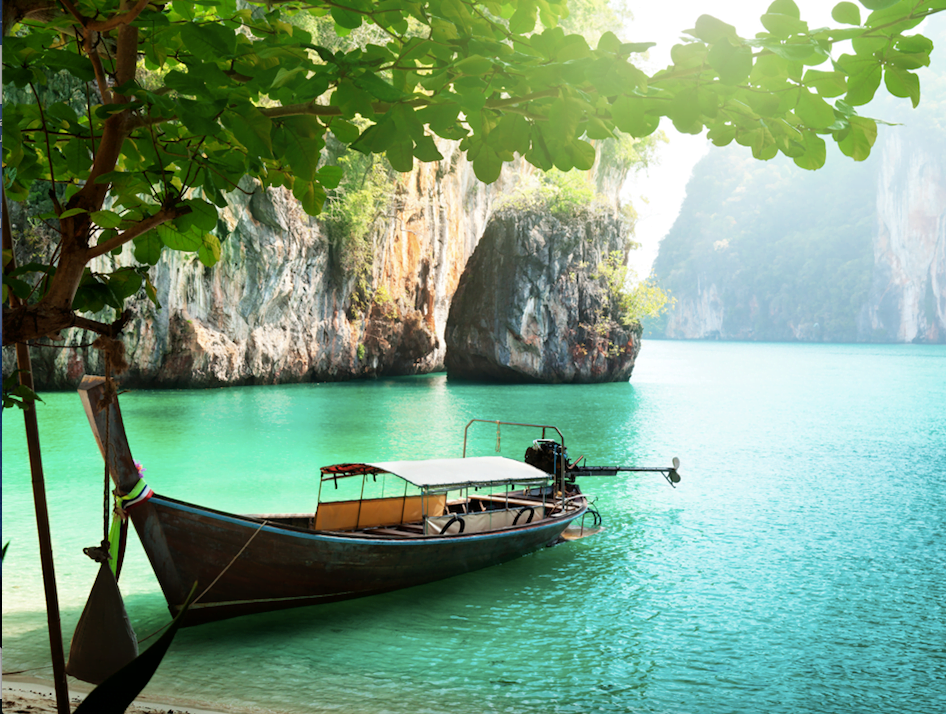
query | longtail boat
[433, 519]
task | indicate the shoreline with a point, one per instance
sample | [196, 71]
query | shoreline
[28, 695]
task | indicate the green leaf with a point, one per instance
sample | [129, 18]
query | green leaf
[815, 152]
[151, 292]
[878, 4]
[905, 61]
[194, 115]
[860, 138]
[814, 111]
[426, 150]
[346, 18]
[914, 44]
[19, 288]
[378, 88]
[827, 84]
[106, 219]
[582, 154]
[609, 42]
[303, 154]
[148, 247]
[475, 65]
[377, 137]
[331, 176]
[523, 19]
[202, 216]
[344, 131]
[867, 45]
[864, 76]
[125, 282]
[352, 100]
[78, 156]
[72, 212]
[186, 83]
[711, 30]
[177, 240]
[184, 9]
[210, 41]
[406, 121]
[636, 48]
[901, 83]
[209, 251]
[311, 195]
[783, 25]
[722, 135]
[733, 64]
[78, 66]
[252, 129]
[513, 133]
[630, 116]
[401, 155]
[685, 111]
[487, 165]
[847, 13]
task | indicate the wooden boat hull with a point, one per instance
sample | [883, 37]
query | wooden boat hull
[247, 566]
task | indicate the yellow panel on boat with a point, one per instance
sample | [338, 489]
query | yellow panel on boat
[376, 512]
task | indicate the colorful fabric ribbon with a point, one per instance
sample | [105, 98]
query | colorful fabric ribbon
[123, 503]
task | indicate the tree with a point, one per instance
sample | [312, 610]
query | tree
[184, 99]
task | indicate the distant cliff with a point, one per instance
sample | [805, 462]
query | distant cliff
[907, 301]
[853, 252]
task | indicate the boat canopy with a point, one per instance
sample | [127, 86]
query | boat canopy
[448, 474]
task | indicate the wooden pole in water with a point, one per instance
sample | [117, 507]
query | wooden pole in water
[39, 501]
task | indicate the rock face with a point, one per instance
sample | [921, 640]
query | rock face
[529, 307]
[273, 310]
[903, 299]
[908, 295]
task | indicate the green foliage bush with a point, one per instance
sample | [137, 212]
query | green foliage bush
[352, 210]
[635, 299]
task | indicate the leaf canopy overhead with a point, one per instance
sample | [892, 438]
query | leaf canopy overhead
[187, 98]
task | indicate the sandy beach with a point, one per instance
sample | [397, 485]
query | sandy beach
[26, 697]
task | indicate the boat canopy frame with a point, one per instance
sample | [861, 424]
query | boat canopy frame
[442, 475]
[437, 477]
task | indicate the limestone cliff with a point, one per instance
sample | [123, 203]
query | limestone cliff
[854, 252]
[530, 307]
[273, 309]
[908, 295]
[276, 309]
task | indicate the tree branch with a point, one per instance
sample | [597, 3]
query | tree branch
[98, 69]
[122, 19]
[112, 329]
[162, 216]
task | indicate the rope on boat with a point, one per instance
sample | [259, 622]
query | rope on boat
[220, 575]
[245, 546]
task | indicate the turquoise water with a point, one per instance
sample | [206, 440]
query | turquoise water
[799, 567]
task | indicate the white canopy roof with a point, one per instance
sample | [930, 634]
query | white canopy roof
[459, 473]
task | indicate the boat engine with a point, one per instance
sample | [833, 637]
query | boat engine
[551, 457]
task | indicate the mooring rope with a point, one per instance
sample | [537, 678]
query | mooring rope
[220, 575]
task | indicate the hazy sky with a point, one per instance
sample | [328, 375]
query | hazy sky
[663, 22]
